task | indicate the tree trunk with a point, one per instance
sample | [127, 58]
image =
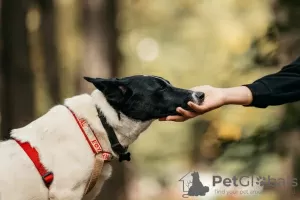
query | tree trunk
[101, 53]
[18, 83]
[48, 33]
[198, 157]
[287, 15]
[101, 60]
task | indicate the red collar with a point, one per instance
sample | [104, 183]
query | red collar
[90, 137]
[47, 176]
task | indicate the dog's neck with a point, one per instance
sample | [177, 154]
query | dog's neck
[127, 130]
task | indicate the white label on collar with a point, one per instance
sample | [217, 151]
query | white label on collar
[90, 136]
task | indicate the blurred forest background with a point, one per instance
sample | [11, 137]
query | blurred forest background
[47, 46]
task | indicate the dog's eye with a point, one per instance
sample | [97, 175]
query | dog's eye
[162, 87]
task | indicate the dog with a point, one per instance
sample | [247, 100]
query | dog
[128, 106]
[197, 188]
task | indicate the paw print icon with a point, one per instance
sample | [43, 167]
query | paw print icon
[260, 181]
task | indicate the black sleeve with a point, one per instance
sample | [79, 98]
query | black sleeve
[278, 88]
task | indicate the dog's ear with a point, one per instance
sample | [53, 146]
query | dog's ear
[100, 83]
[107, 84]
[113, 89]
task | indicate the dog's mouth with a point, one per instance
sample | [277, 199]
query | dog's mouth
[197, 98]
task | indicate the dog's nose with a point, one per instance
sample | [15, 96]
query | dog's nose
[199, 95]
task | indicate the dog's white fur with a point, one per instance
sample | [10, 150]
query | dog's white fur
[63, 150]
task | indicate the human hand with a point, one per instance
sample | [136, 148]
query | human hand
[214, 98]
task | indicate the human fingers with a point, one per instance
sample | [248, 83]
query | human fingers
[200, 109]
[176, 118]
[185, 113]
[163, 119]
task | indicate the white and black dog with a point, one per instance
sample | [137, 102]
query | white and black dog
[127, 106]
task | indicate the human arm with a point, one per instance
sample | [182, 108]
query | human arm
[274, 89]
[278, 88]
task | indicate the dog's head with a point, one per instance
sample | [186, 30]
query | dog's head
[195, 175]
[145, 98]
